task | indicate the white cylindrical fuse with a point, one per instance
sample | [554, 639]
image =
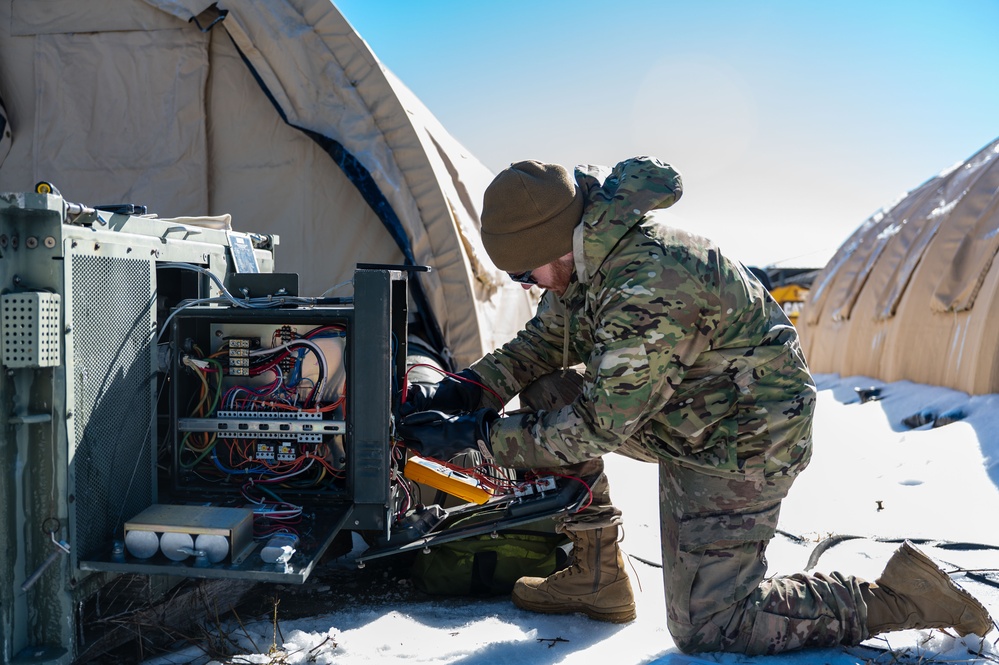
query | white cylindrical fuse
[215, 548]
[171, 542]
[280, 548]
[142, 544]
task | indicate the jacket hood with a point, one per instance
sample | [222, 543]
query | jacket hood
[616, 200]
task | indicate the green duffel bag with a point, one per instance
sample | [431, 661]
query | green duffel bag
[486, 565]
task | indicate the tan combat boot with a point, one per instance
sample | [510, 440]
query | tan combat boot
[595, 583]
[913, 592]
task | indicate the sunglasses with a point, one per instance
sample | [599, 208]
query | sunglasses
[523, 277]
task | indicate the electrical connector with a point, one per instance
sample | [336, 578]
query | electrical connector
[195, 363]
[535, 485]
[546, 483]
[238, 355]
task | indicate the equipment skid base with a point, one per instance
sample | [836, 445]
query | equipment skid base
[326, 522]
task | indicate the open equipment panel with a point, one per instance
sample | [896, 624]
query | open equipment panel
[284, 414]
[160, 425]
[281, 436]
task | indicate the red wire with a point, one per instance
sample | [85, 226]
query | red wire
[453, 376]
[485, 480]
[498, 488]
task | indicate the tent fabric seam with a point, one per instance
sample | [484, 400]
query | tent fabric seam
[361, 178]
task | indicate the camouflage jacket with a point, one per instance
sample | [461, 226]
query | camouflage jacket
[686, 354]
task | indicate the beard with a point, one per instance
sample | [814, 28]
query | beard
[562, 271]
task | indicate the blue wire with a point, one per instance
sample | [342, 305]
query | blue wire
[296, 373]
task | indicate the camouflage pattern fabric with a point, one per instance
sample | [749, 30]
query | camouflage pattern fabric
[689, 362]
[686, 355]
[714, 533]
[554, 391]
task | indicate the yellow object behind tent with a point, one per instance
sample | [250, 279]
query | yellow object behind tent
[791, 298]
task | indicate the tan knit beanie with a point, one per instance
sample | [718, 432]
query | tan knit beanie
[529, 212]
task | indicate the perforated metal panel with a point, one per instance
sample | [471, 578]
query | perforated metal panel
[114, 435]
[30, 329]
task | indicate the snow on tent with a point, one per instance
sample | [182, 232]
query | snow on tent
[913, 294]
[275, 113]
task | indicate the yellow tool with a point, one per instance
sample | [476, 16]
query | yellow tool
[452, 481]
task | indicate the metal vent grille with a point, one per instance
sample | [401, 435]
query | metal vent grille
[112, 326]
[30, 329]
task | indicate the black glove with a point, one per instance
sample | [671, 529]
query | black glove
[450, 395]
[440, 436]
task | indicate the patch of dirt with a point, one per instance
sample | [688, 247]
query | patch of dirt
[130, 620]
[336, 585]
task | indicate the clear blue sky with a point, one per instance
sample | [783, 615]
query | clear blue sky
[791, 121]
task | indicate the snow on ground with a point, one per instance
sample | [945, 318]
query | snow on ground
[871, 477]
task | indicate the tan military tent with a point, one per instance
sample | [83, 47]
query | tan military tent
[275, 112]
[914, 292]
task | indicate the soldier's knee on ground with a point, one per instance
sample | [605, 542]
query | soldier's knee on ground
[684, 642]
[755, 634]
[695, 640]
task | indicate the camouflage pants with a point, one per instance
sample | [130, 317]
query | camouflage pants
[715, 531]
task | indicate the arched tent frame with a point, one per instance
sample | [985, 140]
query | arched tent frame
[277, 113]
[913, 293]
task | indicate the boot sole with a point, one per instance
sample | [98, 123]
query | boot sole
[619, 615]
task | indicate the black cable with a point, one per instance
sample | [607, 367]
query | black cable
[654, 564]
[836, 539]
